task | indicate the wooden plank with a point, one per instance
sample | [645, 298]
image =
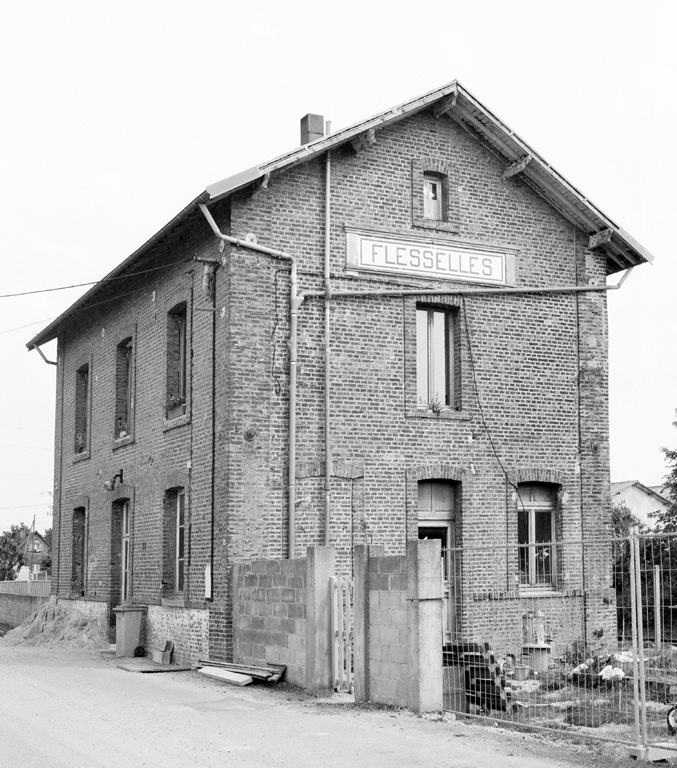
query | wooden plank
[517, 167]
[226, 676]
[364, 140]
[599, 238]
[444, 105]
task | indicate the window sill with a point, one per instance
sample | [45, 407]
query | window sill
[549, 592]
[176, 421]
[80, 456]
[120, 442]
[435, 224]
[446, 414]
[178, 601]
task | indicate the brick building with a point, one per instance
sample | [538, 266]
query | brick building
[396, 330]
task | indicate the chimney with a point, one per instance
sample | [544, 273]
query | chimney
[312, 128]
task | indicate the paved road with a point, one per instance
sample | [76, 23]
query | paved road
[75, 709]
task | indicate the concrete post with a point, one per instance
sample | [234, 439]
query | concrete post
[361, 559]
[320, 567]
[424, 606]
[361, 616]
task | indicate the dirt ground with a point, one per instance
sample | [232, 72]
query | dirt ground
[74, 707]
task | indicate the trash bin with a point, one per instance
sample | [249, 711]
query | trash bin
[128, 620]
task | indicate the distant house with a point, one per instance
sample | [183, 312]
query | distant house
[640, 499]
[35, 548]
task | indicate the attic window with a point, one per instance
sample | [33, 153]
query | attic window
[433, 196]
[434, 191]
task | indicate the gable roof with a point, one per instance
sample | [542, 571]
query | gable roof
[455, 102]
[617, 488]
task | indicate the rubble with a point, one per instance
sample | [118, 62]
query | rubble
[54, 625]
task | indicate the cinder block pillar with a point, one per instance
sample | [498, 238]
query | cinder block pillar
[424, 606]
[361, 570]
[320, 567]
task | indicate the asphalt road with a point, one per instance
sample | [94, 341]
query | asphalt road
[75, 709]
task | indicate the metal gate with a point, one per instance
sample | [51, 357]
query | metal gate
[342, 633]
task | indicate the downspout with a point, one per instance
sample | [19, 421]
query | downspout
[327, 346]
[295, 301]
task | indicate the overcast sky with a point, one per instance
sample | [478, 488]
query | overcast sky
[117, 114]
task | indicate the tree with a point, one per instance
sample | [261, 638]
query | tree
[12, 550]
[46, 560]
[666, 520]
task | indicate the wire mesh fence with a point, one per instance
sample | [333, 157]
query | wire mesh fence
[544, 635]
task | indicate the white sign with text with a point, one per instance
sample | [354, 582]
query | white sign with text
[438, 260]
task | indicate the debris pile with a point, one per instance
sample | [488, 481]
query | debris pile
[55, 625]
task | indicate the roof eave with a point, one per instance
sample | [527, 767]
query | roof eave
[52, 330]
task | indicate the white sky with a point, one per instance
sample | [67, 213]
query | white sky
[116, 114]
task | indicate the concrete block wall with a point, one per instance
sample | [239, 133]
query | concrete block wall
[398, 626]
[389, 660]
[15, 609]
[270, 611]
[282, 615]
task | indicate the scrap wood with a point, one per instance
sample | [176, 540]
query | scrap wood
[226, 675]
[147, 667]
[271, 673]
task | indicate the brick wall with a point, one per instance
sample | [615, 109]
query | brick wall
[537, 365]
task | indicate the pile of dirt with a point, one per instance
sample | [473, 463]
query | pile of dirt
[54, 625]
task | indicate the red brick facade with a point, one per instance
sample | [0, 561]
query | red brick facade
[531, 383]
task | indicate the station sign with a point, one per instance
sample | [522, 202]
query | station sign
[440, 260]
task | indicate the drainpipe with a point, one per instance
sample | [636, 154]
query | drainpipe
[327, 361]
[295, 301]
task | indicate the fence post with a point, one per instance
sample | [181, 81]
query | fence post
[424, 605]
[638, 683]
[657, 608]
[320, 567]
[640, 642]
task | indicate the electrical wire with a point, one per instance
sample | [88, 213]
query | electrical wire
[25, 506]
[21, 327]
[477, 395]
[93, 282]
[278, 387]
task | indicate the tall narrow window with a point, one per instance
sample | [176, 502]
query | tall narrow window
[433, 194]
[79, 551]
[180, 540]
[124, 380]
[125, 551]
[536, 535]
[434, 358]
[175, 544]
[176, 362]
[81, 442]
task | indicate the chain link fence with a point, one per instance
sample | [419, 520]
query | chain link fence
[571, 636]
